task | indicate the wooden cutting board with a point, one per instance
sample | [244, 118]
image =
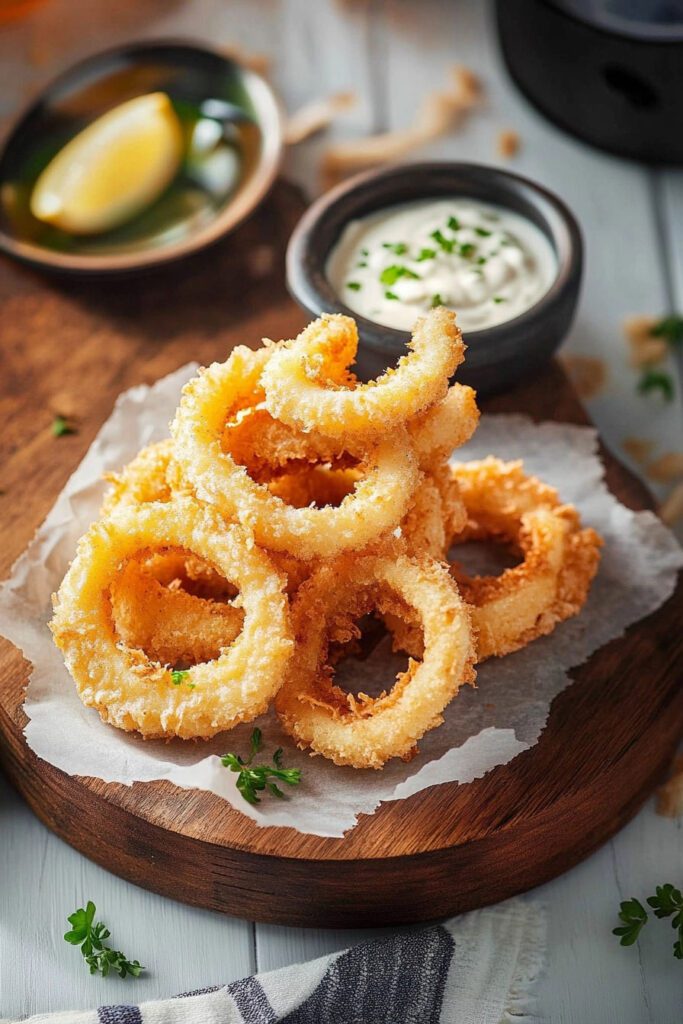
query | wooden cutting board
[70, 346]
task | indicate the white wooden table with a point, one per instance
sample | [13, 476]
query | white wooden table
[390, 52]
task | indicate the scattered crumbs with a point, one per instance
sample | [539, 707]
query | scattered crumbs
[666, 468]
[316, 116]
[645, 348]
[588, 374]
[671, 509]
[439, 113]
[638, 448]
[670, 795]
[509, 144]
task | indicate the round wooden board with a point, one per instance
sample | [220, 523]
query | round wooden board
[608, 741]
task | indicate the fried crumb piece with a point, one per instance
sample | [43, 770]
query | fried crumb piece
[314, 117]
[666, 468]
[670, 795]
[509, 143]
[639, 448]
[588, 374]
[645, 349]
[440, 112]
[671, 509]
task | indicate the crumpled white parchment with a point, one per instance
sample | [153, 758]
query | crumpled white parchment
[483, 727]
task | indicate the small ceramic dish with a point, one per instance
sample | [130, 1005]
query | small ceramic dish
[497, 356]
[202, 203]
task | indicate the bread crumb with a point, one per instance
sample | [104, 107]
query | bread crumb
[314, 117]
[667, 467]
[671, 510]
[439, 113]
[509, 143]
[588, 374]
[639, 448]
[670, 795]
[645, 349]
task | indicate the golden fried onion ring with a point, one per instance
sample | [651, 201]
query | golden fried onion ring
[133, 692]
[549, 585]
[442, 428]
[361, 731]
[173, 627]
[381, 496]
[296, 395]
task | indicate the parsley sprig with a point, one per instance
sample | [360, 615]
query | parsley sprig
[670, 328]
[62, 425]
[100, 958]
[667, 902]
[254, 778]
[657, 380]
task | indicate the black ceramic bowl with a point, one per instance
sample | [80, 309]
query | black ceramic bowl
[609, 72]
[497, 356]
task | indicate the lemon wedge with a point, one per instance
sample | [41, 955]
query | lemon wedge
[112, 169]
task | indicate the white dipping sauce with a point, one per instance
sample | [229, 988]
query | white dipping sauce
[485, 262]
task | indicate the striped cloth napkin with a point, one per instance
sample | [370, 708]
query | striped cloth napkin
[476, 969]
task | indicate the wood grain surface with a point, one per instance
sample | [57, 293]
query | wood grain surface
[72, 347]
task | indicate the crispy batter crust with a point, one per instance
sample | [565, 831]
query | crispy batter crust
[361, 731]
[381, 497]
[296, 395]
[128, 689]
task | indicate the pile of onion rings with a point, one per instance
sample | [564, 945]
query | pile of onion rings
[234, 562]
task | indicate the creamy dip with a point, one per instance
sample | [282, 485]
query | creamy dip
[485, 262]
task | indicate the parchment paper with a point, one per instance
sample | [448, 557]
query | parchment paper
[483, 727]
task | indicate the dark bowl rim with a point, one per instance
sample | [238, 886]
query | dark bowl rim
[568, 244]
[226, 220]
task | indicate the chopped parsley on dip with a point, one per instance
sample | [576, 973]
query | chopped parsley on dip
[485, 262]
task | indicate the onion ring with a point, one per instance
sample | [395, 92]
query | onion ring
[442, 428]
[172, 627]
[127, 688]
[361, 731]
[380, 498]
[550, 585]
[153, 475]
[296, 395]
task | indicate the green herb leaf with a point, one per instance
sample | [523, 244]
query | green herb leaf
[364, 252]
[467, 249]
[481, 260]
[657, 380]
[447, 244]
[390, 295]
[634, 917]
[670, 328]
[454, 223]
[178, 674]
[61, 426]
[390, 275]
[101, 959]
[482, 232]
[498, 298]
[426, 254]
[353, 286]
[253, 779]
[399, 248]
[436, 301]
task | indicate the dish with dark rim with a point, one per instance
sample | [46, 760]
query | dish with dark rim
[189, 74]
[497, 356]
